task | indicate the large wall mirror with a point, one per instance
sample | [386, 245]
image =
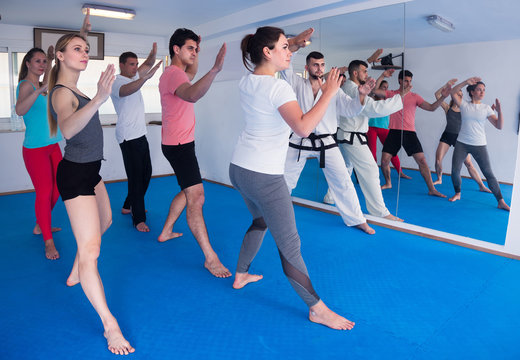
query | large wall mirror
[484, 43]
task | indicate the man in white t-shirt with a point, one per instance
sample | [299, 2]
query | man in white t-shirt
[131, 130]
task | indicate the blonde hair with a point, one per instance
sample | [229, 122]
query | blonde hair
[61, 45]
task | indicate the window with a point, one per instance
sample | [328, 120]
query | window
[5, 93]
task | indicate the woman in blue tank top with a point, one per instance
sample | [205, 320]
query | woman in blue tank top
[80, 185]
[41, 152]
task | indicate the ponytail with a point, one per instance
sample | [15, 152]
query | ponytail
[253, 45]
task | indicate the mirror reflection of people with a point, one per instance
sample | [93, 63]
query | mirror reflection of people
[257, 165]
[402, 125]
[80, 185]
[378, 129]
[449, 138]
[41, 152]
[131, 130]
[321, 143]
[472, 136]
[352, 139]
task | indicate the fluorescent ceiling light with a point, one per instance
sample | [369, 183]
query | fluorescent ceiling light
[440, 23]
[109, 11]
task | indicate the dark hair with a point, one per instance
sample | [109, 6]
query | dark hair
[314, 55]
[179, 38]
[354, 66]
[126, 55]
[383, 82]
[60, 46]
[406, 73]
[252, 45]
[27, 58]
[342, 75]
[472, 88]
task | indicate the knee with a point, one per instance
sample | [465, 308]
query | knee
[259, 224]
[89, 253]
[385, 161]
[196, 199]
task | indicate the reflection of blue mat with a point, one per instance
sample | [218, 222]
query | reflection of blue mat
[475, 215]
[411, 297]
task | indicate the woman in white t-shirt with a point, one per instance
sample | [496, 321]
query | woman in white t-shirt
[257, 167]
[472, 136]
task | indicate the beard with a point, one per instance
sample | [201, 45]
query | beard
[315, 77]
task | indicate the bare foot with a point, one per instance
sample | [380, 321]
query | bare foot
[484, 189]
[169, 236]
[321, 314]
[38, 231]
[73, 278]
[117, 343]
[436, 193]
[242, 279]
[126, 211]
[216, 268]
[367, 229]
[502, 205]
[142, 227]
[393, 217]
[438, 182]
[386, 186]
[50, 250]
[455, 197]
[404, 176]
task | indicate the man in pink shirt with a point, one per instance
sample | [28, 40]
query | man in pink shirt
[178, 141]
[402, 124]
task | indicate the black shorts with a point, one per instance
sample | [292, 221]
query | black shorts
[75, 179]
[449, 138]
[184, 163]
[411, 142]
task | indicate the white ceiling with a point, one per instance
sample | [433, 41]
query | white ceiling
[475, 20]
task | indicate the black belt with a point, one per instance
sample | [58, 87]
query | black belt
[321, 147]
[362, 137]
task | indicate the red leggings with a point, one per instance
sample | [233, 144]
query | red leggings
[41, 164]
[372, 135]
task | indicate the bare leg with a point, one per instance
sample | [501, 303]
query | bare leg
[366, 228]
[89, 217]
[442, 149]
[404, 176]
[321, 314]
[385, 167]
[427, 176]
[242, 279]
[73, 278]
[176, 208]
[194, 202]
[475, 175]
[50, 250]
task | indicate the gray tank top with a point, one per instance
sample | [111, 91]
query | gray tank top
[453, 121]
[86, 145]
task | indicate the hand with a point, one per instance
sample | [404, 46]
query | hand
[367, 87]
[153, 52]
[43, 88]
[375, 56]
[331, 86]
[152, 71]
[451, 82]
[473, 80]
[219, 61]
[87, 26]
[300, 40]
[105, 82]
[50, 53]
[496, 106]
[343, 69]
[446, 90]
[388, 73]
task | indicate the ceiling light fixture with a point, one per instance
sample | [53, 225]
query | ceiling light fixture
[440, 23]
[109, 11]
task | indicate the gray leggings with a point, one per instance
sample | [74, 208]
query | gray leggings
[268, 200]
[480, 154]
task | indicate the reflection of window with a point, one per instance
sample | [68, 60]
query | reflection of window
[5, 104]
[87, 84]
